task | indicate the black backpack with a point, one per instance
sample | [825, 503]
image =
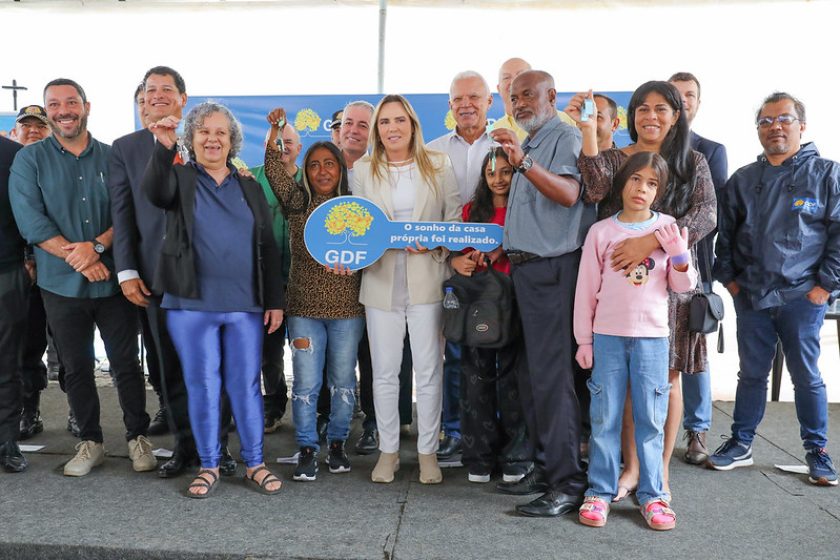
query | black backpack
[486, 316]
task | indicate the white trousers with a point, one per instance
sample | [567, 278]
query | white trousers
[386, 330]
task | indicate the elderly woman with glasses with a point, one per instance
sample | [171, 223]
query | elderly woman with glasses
[218, 259]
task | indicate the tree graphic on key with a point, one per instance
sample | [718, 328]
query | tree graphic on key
[349, 218]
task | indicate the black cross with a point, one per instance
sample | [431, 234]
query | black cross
[14, 87]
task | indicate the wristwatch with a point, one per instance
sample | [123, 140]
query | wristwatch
[525, 164]
[98, 247]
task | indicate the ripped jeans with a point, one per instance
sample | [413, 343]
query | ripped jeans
[317, 343]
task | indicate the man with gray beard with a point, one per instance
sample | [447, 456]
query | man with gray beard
[545, 226]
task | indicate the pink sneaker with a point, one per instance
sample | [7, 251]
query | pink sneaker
[594, 511]
[659, 515]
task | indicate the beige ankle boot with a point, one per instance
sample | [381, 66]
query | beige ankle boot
[386, 466]
[429, 469]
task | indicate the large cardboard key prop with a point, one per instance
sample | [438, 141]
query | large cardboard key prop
[354, 232]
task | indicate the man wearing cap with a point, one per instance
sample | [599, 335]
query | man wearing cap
[60, 201]
[32, 126]
[335, 127]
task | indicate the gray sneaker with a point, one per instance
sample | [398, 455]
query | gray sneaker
[140, 453]
[89, 454]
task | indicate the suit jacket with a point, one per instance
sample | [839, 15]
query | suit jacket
[426, 272]
[716, 158]
[138, 225]
[11, 242]
[173, 188]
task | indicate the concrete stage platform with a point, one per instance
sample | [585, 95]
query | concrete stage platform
[758, 512]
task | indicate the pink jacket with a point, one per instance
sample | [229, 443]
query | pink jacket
[618, 304]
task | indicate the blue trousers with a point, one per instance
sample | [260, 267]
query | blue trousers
[797, 324]
[330, 342]
[644, 363]
[451, 410]
[221, 350]
[697, 400]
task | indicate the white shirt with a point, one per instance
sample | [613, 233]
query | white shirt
[465, 157]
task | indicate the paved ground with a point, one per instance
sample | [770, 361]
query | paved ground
[758, 512]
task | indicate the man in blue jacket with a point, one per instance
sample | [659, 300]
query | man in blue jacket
[778, 255]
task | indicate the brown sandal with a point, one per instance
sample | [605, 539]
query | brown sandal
[209, 484]
[261, 487]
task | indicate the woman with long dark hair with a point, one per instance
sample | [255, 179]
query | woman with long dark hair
[657, 123]
[325, 318]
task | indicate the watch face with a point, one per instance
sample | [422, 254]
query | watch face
[99, 248]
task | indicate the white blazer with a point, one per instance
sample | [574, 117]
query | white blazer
[425, 272]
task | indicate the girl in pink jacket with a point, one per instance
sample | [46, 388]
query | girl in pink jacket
[621, 327]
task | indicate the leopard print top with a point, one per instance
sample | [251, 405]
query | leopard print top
[312, 291]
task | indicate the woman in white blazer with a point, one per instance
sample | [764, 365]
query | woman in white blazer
[409, 183]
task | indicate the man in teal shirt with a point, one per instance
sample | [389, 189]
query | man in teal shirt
[274, 380]
[59, 196]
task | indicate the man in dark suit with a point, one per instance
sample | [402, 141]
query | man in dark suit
[138, 237]
[697, 388]
[14, 290]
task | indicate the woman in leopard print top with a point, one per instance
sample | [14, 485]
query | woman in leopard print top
[325, 318]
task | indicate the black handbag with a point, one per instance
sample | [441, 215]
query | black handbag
[706, 310]
[485, 316]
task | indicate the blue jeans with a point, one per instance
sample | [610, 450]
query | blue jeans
[697, 400]
[451, 412]
[797, 324]
[334, 342]
[615, 357]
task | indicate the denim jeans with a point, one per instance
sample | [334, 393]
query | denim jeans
[333, 342]
[615, 357]
[697, 400]
[451, 409]
[797, 324]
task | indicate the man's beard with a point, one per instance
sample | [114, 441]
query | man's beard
[81, 126]
[535, 122]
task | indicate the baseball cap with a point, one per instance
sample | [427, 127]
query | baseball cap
[336, 119]
[32, 111]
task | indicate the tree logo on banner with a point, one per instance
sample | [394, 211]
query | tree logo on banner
[349, 218]
[307, 119]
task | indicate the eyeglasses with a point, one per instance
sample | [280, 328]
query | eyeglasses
[784, 120]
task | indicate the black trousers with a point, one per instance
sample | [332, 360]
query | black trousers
[366, 383]
[72, 321]
[34, 371]
[14, 295]
[545, 292]
[152, 358]
[276, 395]
[492, 421]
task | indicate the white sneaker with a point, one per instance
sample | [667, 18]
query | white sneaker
[89, 454]
[140, 453]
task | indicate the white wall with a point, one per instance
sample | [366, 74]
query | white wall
[740, 51]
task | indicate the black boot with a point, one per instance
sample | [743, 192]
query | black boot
[30, 418]
[160, 423]
[182, 459]
[11, 459]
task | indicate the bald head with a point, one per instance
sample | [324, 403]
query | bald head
[533, 99]
[510, 69]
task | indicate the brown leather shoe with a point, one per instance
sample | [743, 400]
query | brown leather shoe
[696, 453]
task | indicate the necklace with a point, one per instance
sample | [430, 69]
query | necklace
[403, 162]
